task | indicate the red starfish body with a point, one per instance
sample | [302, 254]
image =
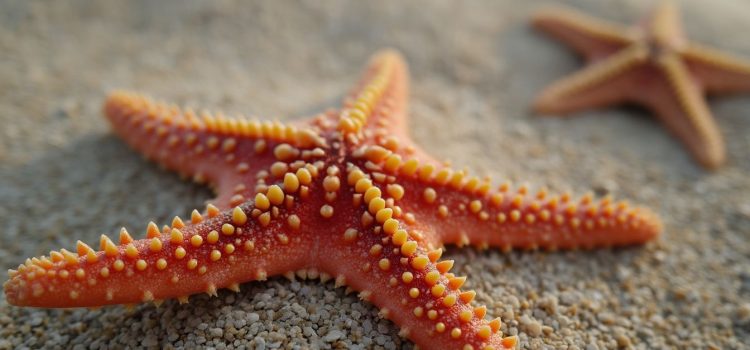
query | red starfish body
[652, 65]
[343, 196]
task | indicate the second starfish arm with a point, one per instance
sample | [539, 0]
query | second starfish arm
[718, 72]
[589, 36]
[224, 152]
[220, 250]
[679, 103]
[602, 84]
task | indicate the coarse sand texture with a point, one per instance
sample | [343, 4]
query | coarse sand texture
[475, 69]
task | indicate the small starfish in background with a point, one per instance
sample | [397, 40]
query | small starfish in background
[651, 65]
[345, 195]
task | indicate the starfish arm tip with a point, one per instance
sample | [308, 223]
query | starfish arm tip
[543, 104]
[712, 159]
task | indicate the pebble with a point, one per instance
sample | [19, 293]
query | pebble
[743, 312]
[36, 320]
[150, 340]
[216, 332]
[260, 343]
[622, 340]
[333, 335]
[533, 327]
[607, 318]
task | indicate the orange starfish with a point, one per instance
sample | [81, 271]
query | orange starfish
[345, 196]
[651, 65]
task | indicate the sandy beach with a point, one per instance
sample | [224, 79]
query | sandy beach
[475, 68]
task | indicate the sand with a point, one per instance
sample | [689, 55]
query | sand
[475, 67]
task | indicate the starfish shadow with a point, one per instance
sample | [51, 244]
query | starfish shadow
[95, 181]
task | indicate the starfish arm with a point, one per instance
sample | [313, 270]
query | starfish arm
[664, 26]
[390, 264]
[463, 209]
[603, 83]
[218, 251]
[588, 36]
[225, 152]
[717, 71]
[682, 108]
[375, 112]
[376, 109]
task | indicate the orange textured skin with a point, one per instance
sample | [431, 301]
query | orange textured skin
[651, 65]
[344, 196]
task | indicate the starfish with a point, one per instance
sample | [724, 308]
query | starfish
[652, 65]
[343, 196]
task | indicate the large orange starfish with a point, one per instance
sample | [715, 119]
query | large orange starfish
[345, 195]
[652, 65]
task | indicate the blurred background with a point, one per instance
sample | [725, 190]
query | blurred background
[476, 66]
